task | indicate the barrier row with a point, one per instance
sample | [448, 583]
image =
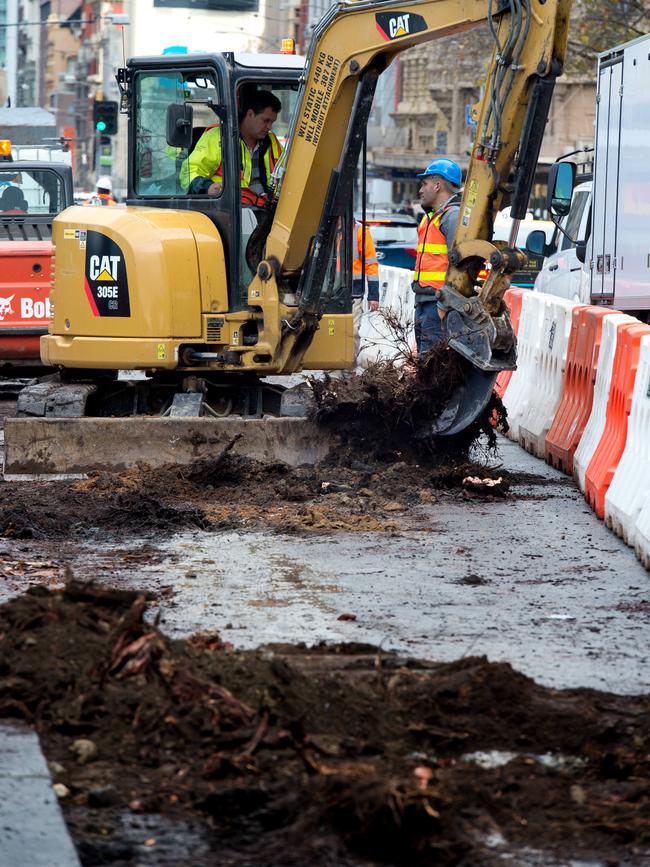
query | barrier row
[580, 399]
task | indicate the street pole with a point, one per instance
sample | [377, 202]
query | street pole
[12, 52]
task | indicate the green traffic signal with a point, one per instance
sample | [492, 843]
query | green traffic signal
[105, 113]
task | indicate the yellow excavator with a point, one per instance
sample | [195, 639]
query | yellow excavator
[183, 303]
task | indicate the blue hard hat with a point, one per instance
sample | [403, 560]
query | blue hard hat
[444, 168]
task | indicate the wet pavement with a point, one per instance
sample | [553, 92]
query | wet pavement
[537, 581]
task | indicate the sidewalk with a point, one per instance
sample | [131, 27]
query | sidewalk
[32, 830]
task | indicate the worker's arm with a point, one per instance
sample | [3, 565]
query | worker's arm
[198, 171]
[449, 222]
[372, 272]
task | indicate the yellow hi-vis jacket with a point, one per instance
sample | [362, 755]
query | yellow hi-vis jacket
[432, 255]
[101, 199]
[205, 162]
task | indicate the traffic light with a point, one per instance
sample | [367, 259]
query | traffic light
[105, 116]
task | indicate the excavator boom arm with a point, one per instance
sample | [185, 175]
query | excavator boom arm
[356, 39]
[352, 45]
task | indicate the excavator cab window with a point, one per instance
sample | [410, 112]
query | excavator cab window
[161, 167]
[287, 94]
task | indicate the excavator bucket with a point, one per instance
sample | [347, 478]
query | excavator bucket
[467, 403]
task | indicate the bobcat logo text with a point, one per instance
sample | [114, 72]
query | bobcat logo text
[5, 306]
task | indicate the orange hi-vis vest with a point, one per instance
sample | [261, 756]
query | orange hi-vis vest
[101, 199]
[372, 265]
[433, 255]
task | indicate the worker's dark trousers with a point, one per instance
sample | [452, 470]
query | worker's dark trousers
[429, 327]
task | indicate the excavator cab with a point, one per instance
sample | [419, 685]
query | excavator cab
[174, 100]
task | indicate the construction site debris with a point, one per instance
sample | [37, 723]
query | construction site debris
[296, 757]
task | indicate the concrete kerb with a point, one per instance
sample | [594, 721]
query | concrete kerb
[33, 830]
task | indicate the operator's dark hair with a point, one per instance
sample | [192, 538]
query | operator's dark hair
[12, 197]
[257, 101]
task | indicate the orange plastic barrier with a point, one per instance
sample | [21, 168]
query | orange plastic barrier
[604, 461]
[577, 388]
[512, 299]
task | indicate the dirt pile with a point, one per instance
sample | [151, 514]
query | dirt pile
[383, 468]
[290, 757]
[388, 409]
[227, 492]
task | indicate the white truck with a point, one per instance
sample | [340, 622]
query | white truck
[606, 258]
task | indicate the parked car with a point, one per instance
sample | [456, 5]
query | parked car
[396, 239]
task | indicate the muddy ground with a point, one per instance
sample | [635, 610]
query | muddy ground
[232, 492]
[179, 752]
[327, 756]
[191, 752]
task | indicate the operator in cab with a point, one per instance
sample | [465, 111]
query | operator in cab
[440, 199]
[260, 150]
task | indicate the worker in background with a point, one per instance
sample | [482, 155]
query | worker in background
[363, 247]
[260, 150]
[103, 195]
[440, 199]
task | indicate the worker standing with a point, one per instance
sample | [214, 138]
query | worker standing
[103, 195]
[202, 171]
[440, 199]
[364, 246]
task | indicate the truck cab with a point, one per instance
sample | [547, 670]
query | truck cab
[563, 273]
[31, 196]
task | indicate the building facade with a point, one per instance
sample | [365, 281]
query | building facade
[436, 86]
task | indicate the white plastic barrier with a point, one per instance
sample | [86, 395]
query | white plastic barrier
[642, 537]
[546, 385]
[377, 339]
[629, 493]
[516, 396]
[596, 424]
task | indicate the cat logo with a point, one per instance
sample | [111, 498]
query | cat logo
[103, 268]
[393, 26]
[398, 26]
[5, 306]
[105, 280]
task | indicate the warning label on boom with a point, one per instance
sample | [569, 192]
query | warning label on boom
[319, 94]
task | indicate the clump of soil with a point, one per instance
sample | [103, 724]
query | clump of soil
[296, 757]
[231, 491]
[389, 408]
